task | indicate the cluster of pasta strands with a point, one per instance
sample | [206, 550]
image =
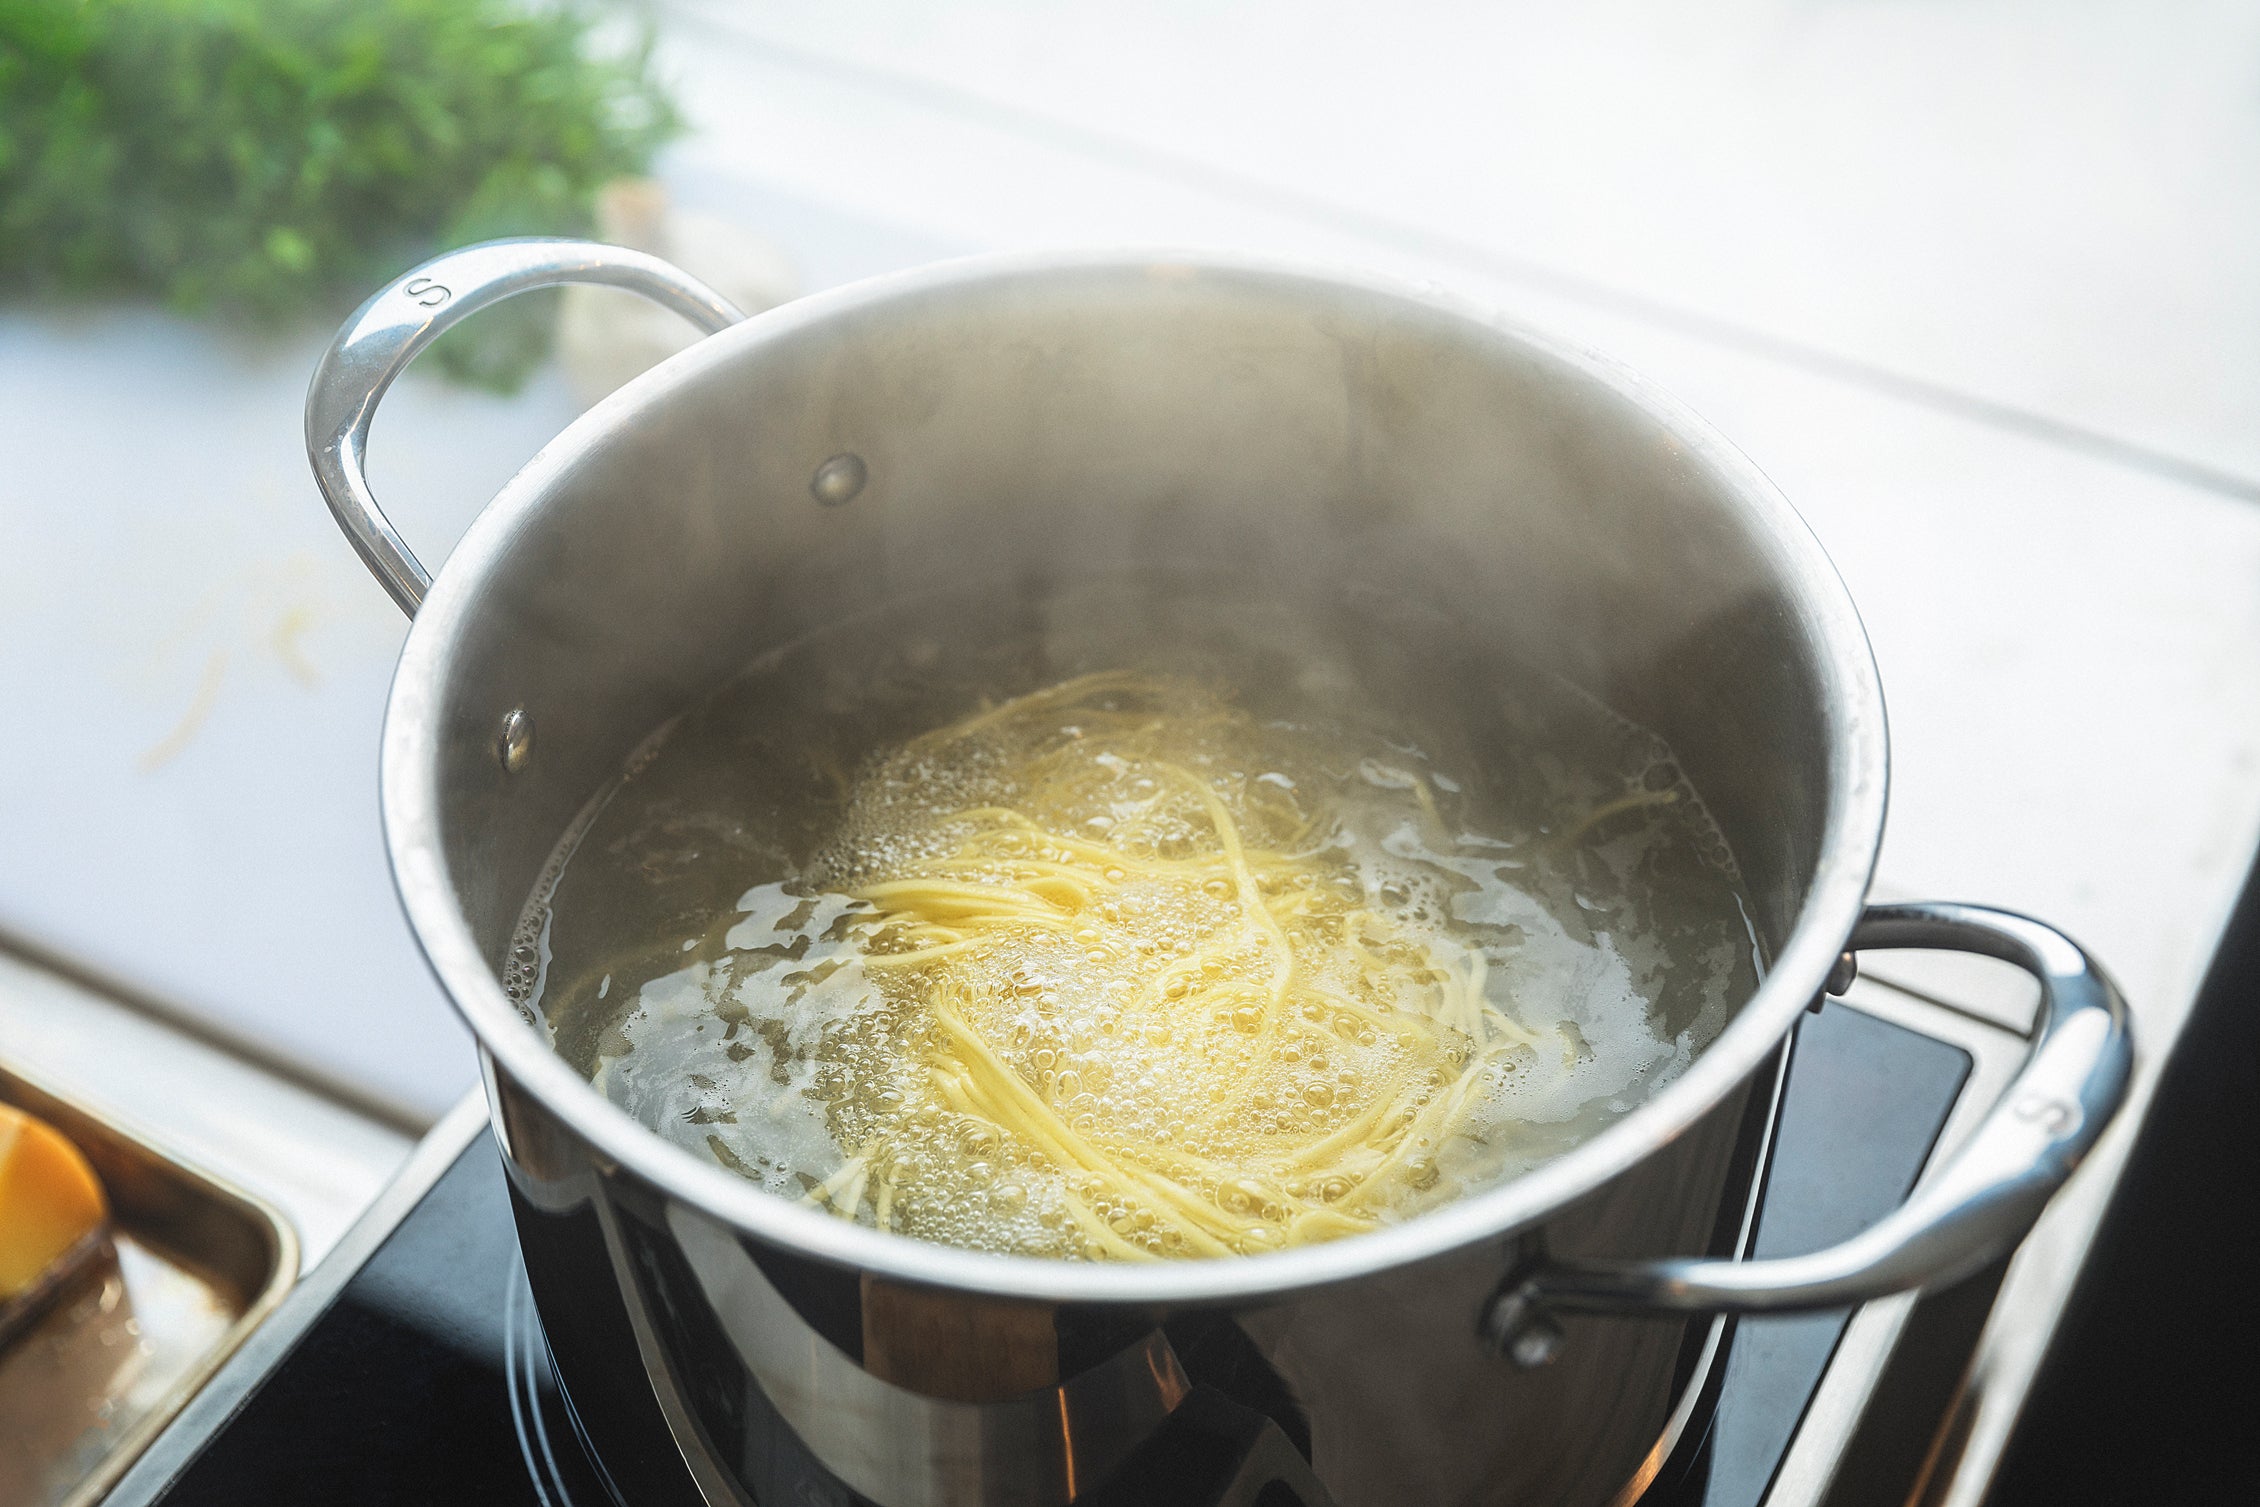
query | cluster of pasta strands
[1291, 971]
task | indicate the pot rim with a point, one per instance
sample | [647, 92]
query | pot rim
[1852, 835]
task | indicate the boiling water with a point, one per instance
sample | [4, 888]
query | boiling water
[1124, 924]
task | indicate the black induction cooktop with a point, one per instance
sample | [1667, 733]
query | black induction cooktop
[424, 1377]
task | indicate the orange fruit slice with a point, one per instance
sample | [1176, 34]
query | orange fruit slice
[50, 1200]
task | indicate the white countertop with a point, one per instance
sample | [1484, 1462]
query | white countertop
[1974, 284]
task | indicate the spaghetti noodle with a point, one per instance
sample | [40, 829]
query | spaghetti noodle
[1149, 972]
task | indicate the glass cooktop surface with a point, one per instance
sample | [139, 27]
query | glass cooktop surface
[426, 1379]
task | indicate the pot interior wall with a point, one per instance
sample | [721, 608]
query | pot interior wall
[1459, 489]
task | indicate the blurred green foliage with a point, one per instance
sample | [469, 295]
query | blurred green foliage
[270, 159]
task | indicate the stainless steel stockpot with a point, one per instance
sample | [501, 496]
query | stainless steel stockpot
[1036, 419]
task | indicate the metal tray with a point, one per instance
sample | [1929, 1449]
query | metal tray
[194, 1265]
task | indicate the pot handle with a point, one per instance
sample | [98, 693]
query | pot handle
[1978, 1206]
[412, 311]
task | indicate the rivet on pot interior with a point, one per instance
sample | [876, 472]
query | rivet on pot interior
[838, 479]
[514, 745]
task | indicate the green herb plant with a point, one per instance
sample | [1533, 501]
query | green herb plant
[273, 160]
